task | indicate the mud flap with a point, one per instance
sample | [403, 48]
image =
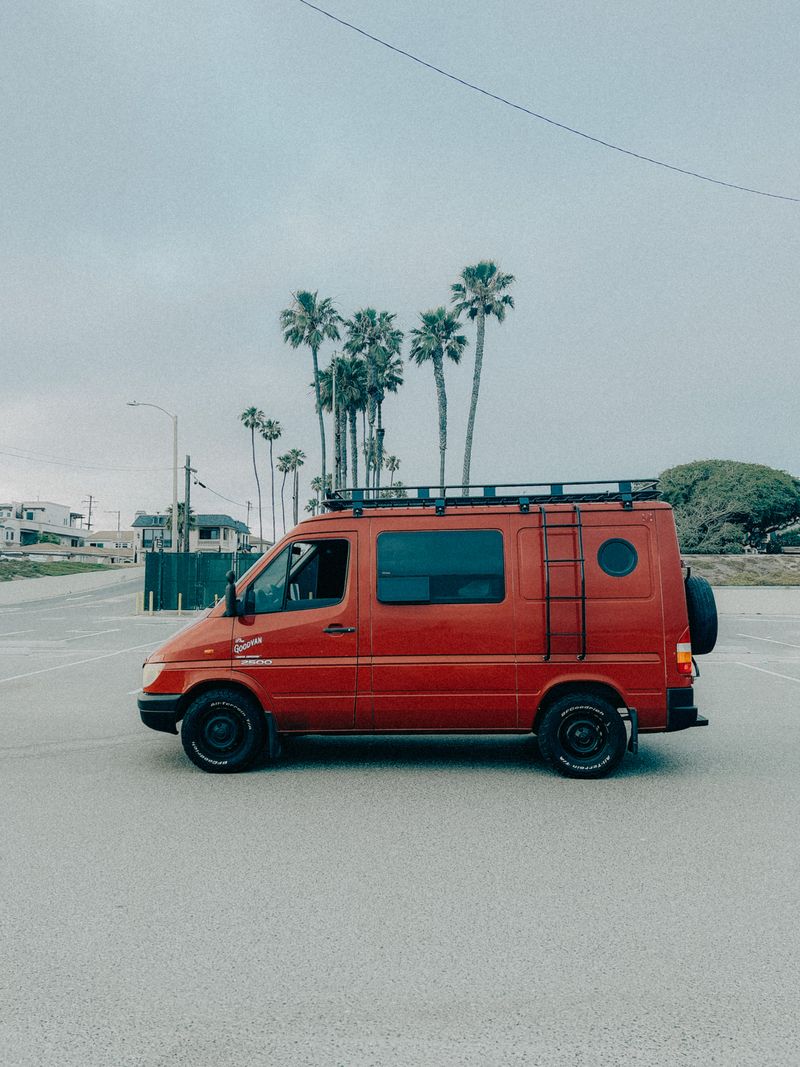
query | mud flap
[633, 719]
[273, 739]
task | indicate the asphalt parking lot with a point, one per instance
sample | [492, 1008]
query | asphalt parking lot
[395, 900]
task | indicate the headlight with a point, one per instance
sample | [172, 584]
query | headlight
[150, 672]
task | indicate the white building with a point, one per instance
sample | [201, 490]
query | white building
[24, 522]
[208, 533]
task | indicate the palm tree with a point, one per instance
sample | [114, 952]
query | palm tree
[329, 394]
[181, 520]
[283, 468]
[351, 386]
[296, 458]
[435, 340]
[271, 431]
[312, 505]
[310, 321]
[389, 375]
[370, 333]
[253, 418]
[480, 293]
[392, 463]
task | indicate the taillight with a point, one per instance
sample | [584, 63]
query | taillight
[684, 654]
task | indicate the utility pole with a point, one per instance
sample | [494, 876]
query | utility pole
[90, 501]
[247, 521]
[188, 471]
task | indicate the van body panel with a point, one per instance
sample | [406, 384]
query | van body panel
[443, 666]
[305, 661]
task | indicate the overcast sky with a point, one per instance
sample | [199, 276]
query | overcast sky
[171, 172]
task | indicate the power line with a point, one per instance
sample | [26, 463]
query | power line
[209, 490]
[544, 118]
[33, 457]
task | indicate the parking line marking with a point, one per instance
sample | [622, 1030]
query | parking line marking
[133, 692]
[76, 663]
[91, 633]
[85, 596]
[13, 633]
[771, 640]
[786, 677]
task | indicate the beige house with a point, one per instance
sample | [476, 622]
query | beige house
[23, 522]
[209, 533]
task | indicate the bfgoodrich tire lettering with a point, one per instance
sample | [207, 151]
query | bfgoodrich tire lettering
[223, 731]
[582, 736]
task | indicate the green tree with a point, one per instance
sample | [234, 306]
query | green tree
[480, 294]
[435, 340]
[310, 321]
[284, 467]
[373, 335]
[389, 378]
[392, 464]
[181, 520]
[253, 418]
[271, 430]
[296, 458]
[721, 505]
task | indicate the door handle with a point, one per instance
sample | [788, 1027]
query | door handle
[339, 629]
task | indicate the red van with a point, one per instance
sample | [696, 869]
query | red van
[558, 610]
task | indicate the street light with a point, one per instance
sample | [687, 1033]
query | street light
[142, 404]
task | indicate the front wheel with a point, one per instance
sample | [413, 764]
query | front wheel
[582, 736]
[223, 731]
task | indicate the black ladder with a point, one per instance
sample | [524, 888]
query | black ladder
[549, 563]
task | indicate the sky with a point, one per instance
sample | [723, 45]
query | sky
[171, 173]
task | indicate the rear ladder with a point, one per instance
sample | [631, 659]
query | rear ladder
[549, 563]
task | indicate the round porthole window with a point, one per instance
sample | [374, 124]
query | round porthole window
[617, 557]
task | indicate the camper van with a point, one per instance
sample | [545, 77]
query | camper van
[558, 610]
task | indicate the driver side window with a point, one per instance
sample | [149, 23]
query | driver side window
[307, 574]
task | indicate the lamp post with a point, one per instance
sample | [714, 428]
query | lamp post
[142, 404]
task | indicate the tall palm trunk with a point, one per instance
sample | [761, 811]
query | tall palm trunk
[283, 506]
[372, 386]
[272, 484]
[343, 439]
[441, 397]
[319, 414]
[476, 384]
[354, 445]
[258, 484]
[379, 448]
[337, 445]
[296, 495]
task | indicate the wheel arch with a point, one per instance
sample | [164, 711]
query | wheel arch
[560, 689]
[207, 684]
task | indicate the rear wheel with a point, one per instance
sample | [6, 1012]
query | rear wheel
[223, 731]
[582, 736]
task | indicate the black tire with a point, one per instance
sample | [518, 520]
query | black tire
[223, 731]
[702, 610]
[582, 736]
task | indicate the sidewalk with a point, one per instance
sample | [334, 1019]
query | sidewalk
[758, 600]
[27, 590]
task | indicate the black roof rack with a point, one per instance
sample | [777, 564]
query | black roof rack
[520, 494]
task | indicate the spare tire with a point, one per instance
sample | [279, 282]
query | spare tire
[702, 609]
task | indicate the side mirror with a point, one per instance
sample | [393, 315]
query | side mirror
[231, 607]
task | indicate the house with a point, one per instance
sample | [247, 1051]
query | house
[208, 533]
[118, 544]
[27, 522]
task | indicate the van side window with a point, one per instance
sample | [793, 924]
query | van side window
[441, 567]
[307, 574]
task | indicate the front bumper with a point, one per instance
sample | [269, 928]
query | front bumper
[681, 710]
[160, 711]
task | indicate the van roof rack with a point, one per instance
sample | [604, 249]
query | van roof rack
[521, 494]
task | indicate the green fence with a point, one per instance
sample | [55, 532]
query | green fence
[199, 576]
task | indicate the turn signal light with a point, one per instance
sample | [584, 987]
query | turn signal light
[684, 652]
